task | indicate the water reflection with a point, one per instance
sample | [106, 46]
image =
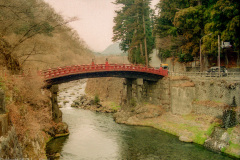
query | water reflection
[97, 136]
[55, 146]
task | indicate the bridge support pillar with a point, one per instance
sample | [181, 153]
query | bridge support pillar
[129, 90]
[56, 112]
[139, 88]
[134, 88]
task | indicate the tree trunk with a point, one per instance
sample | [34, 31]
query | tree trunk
[238, 59]
[199, 2]
[141, 49]
[226, 59]
[12, 63]
[145, 41]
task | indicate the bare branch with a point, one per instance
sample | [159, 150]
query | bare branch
[37, 60]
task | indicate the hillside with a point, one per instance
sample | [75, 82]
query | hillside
[113, 49]
[32, 35]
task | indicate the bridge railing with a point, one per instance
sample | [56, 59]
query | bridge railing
[68, 70]
[205, 74]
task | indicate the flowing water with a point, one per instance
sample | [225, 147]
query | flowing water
[95, 136]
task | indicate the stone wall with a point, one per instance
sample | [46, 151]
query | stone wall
[204, 96]
[182, 95]
[142, 91]
[56, 112]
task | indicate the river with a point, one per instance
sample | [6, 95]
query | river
[95, 136]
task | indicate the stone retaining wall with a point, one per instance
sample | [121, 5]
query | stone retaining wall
[182, 95]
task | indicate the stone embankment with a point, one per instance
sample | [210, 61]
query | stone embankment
[191, 109]
[93, 104]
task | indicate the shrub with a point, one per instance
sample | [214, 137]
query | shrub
[133, 102]
[182, 57]
[96, 99]
[164, 54]
[116, 108]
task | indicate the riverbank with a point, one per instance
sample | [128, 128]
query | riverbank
[95, 135]
[200, 129]
[203, 129]
[189, 128]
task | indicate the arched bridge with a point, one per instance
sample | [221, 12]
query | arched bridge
[70, 73]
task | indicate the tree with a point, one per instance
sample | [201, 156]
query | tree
[189, 22]
[192, 19]
[21, 21]
[133, 28]
[170, 36]
[222, 18]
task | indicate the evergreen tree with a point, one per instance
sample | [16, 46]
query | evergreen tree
[133, 28]
[190, 20]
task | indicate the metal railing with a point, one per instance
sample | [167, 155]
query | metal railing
[205, 74]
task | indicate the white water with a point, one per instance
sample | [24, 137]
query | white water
[95, 136]
[69, 92]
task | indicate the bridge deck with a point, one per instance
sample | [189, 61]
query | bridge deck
[102, 70]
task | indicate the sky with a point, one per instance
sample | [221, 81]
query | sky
[95, 19]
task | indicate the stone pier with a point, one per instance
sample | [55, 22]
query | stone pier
[56, 112]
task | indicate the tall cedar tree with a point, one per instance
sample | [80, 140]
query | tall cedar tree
[133, 28]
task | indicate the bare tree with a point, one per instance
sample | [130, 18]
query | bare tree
[25, 19]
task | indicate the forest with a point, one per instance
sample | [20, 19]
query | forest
[178, 27]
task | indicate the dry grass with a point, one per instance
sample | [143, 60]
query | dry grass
[186, 84]
[212, 104]
[175, 78]
[109, 88]
[29, 111]
[29, 122]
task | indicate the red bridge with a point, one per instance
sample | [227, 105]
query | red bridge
[70, 73]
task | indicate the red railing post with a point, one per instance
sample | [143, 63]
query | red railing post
[106, 64]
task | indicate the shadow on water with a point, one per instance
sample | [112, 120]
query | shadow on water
[55, 146]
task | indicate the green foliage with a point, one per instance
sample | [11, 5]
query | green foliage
[230, 148]
[223, 149]
[193, 20]
[96, 99]
[164, 53]
[133, 28]
[133, 102]
[199, 138]
[229, 131]
[227, 29]
[116, 108]
[211, 129]
[182, 57]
